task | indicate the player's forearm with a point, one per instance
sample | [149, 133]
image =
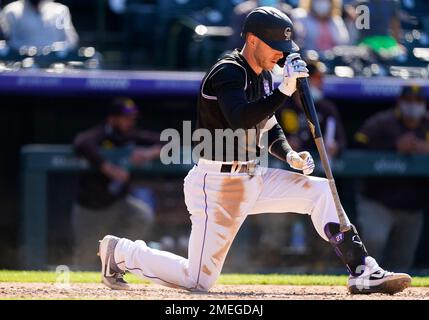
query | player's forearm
[280, 149]
[147, 137]
[243, 114]
[278, 145]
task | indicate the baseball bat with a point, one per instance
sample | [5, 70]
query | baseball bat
[313, 123]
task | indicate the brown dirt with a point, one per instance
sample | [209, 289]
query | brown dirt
[155, 292]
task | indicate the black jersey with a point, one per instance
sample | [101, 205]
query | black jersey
[233, 97]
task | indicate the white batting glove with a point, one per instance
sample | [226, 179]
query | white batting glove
[294, 68]
[301, 161]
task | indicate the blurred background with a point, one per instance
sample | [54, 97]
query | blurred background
[86, 87]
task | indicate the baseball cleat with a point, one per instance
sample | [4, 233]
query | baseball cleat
[111, 275]
[376, 280]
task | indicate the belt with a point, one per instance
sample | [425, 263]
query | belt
[239, 168]
[235, 167]
[228, 168]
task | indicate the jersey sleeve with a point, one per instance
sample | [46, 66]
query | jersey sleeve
[273, 133]
[229, 84]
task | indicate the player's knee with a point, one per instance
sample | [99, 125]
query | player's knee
[324, 183]
[203, 286]
[199, 288]
[207, 285]
[321, 185]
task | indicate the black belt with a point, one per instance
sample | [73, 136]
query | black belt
[248, 168]
[228, 168]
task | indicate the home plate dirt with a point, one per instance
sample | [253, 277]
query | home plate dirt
[154, 292]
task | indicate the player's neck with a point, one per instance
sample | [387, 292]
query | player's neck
[250, 58]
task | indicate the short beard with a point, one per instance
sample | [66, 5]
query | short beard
[260, 62]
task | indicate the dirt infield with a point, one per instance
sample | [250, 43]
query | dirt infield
[219, 292]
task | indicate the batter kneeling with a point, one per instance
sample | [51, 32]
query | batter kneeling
[224, 187]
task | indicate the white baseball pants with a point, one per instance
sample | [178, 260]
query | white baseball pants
[218, 204]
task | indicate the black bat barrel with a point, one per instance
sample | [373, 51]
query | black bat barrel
[308, 106]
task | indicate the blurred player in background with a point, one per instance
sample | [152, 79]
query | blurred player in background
[106, 200]
[390, 210]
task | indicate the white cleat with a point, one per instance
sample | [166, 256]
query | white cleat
[376, 280]
[111, 275]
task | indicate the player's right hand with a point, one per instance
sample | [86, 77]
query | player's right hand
[293, 69]
[301, 161]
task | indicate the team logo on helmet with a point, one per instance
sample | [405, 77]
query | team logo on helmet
[288, 33]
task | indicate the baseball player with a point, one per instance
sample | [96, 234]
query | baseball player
[237, 93]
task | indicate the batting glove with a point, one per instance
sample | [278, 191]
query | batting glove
[301, 161]
[294, 68]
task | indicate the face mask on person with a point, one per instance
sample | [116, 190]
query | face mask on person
[412, 110]
[322, 7]
[316, 93]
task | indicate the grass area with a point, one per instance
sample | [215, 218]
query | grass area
[236, 279]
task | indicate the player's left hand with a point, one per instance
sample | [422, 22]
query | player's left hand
[293, 69]
[301, 161]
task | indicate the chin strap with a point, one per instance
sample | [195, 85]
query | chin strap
[348, 246]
